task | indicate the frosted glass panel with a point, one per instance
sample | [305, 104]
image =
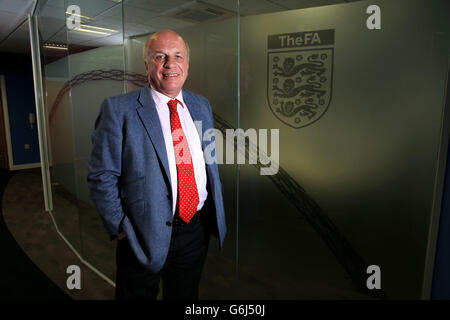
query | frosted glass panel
[359, 140]
[59, 113]
[83, 64]
[99, 73]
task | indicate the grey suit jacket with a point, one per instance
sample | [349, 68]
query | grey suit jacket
[129, 175]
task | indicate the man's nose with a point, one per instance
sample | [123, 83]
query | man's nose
[170, 62]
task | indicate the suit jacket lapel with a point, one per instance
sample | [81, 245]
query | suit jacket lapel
[149, 117]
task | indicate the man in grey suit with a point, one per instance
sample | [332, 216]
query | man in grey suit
[149, 179]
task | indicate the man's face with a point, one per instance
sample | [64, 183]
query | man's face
[167, 63]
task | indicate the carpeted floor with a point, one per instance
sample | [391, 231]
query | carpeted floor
[20, 277]
[34, 257]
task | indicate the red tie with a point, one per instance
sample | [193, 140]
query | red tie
[187, 187]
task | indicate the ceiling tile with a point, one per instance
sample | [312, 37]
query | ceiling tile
[156, 5]
[92, 8]
[20, 7]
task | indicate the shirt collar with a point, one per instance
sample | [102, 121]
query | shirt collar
[161, 100]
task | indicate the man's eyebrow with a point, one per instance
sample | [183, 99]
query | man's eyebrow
[159, 51]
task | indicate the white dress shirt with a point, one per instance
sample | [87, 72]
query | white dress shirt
[194, 142]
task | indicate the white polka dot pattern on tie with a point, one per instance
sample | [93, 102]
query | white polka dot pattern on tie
[187, 187]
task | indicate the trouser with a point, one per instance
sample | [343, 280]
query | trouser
[181, 272]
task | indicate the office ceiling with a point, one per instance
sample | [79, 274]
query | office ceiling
[133, 17]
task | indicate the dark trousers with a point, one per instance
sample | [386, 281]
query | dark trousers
[181, 272]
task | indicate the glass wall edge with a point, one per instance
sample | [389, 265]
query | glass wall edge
[436, 206]
[40, 112]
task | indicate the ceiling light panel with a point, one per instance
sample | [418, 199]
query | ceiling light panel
[230, 5]
[55, 46]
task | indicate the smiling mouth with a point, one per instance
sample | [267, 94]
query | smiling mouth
[170, 75]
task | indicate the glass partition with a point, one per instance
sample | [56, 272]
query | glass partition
[359, 114]
[59, 112]
[83, 59]
[335, 191]
[99, 73]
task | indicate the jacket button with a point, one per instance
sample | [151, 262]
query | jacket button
[168, 223]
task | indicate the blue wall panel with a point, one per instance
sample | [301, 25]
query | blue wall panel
[20, 97]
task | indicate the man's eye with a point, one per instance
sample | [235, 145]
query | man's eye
[158, 58]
